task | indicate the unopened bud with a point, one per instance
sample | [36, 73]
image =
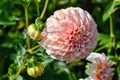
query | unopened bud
[33, 32]
[35, 70]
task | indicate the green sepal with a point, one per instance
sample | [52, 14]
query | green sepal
[39, 24]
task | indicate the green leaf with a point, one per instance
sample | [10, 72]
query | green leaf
[116, 3]
[104, 42]
[12, 69]
[109, 9]
[113, 58]
[11, 77]
[103, 38]
[118, 45]
[12, 56]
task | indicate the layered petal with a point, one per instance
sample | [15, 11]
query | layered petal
[100, 68]
[70, 34]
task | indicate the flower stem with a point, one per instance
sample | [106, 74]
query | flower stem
[34, 48]
[112, 35]
[111, 32]
[26, 19]
[111, 29]
[37, 7]
[44, 9]
[27, 42]
[21, 67]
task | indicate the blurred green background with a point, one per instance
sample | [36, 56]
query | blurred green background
[106, 14]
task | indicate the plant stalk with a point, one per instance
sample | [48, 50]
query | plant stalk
[34, 48]
[111, 29]
[27, 42]
[26, 19]
[21, 67]
[37, 7]
[44, 9]
[112, 35]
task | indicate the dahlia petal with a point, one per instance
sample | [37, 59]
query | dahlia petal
[70, 34]
[77, 53]
[100, 68]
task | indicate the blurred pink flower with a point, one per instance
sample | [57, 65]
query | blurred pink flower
[70, 34]
[100, 67]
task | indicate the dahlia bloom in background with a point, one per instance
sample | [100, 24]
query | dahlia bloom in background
[100, 68]
[70, 34]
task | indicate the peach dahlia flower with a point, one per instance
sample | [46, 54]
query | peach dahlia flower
[100, 67]
[70, 34]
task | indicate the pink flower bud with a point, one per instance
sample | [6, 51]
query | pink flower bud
[70, 34]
